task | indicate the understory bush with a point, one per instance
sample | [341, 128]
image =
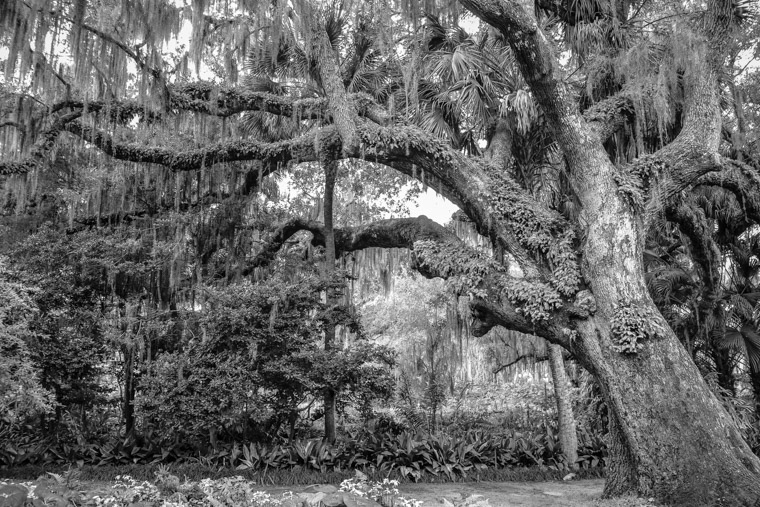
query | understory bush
[410, 455]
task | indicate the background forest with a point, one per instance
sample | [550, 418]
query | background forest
[179, 311]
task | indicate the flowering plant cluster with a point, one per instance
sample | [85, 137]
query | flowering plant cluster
[386, 492]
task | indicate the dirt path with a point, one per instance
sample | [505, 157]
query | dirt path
[508, 494]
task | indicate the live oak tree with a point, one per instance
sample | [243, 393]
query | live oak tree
[623, 149]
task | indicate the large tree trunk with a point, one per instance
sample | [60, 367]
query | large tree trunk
[567, 436]
[669, 436]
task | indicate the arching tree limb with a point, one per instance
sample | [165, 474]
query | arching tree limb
[740, 179]
[300, 149]
[410, 233]
[413, 152]
[692, 222]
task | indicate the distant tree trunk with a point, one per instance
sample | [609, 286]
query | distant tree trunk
[292, 420]
[331, 170]
[128, 409]
[567, 436]
[433, 416]
[724, 368]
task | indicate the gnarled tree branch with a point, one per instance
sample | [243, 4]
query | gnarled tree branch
[272, 154]
[410, 233]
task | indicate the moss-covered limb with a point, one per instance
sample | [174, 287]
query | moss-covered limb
[478, 275]
[118, 111]
[41, 148]
[499, 207]
[471, 270]
[693, 223]
[651, 181]
[437, 252]
[608, 116]
[272, 154]
[487, 315]
[212, 100]
[278, 238]
[541, 231]
[390, 233]
[393, 233]
[664, 174]
[741, 180]
[206, 98]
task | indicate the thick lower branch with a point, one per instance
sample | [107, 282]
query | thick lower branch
[279, 237]
[673, 169]
[692, 222]
[41, 148]
[535, 236]
[487, 315]
[418, 234]
[741, 180]
[271, 154]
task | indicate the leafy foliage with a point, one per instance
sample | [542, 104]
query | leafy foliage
[21, 393]
[631, 325]
[259, 362]
[414, 455]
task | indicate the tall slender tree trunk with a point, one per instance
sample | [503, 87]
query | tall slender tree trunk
[724, 367]
[331, 169]
[128, 408]
[568, 437]
[344, 113]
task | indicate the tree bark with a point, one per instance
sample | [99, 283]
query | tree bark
[669, 436]
[567, 435]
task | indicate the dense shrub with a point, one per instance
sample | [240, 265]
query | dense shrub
[260, 361]
[411, 455]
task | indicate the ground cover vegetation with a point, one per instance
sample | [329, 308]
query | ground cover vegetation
[163, 298]
[168, 490]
